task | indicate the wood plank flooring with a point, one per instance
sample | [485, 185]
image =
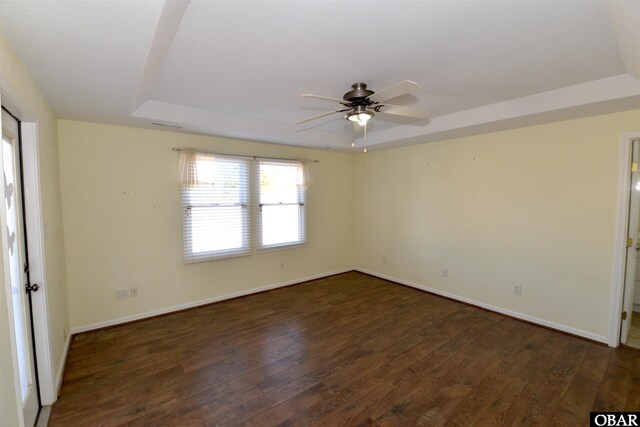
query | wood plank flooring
[345, 350]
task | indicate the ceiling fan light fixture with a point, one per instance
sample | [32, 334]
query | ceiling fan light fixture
[360, 103]
[359, 117]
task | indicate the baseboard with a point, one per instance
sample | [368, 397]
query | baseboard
[636, 308]
[179, 307]
[511, 313]
[63, 365]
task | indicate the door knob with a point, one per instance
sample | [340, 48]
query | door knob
[33, 288]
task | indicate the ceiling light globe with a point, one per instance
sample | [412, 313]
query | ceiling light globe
[360, 117]
[363, 118]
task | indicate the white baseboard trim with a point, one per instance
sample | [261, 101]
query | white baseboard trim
[543, 322]
[92, 326]
[636, 308]
[62, 365]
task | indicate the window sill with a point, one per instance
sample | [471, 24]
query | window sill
[216, 258]
[281, 248]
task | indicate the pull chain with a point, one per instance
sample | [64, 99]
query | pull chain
[365, 137]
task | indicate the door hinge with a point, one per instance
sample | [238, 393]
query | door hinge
[634, 167]
[624, 315]
[26, 268]
[629, 243]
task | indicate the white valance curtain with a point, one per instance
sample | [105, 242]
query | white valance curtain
[304, 173]
[195, 168]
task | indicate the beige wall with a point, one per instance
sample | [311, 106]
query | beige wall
[14, 78]
[122, 220]
[534, 206]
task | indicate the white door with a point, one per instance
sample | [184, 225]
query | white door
[632, 239]
[20, 298]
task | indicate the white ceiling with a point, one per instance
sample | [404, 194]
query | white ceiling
[235, 68]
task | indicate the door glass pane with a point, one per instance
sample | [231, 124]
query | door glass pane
[17, 288]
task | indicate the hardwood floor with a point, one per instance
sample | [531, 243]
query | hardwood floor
[345, 350]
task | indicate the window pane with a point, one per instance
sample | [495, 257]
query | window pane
[278, 183]
[229, 186]
[280, 224]
[17, 286]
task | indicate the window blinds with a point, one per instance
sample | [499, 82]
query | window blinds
[216, 208]
[225, 197]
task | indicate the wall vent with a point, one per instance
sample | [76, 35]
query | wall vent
[166, 125]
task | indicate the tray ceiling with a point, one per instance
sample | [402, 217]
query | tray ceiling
[236, 68]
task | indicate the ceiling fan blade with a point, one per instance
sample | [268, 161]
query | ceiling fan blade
[308, 119]
[395, 91]
[326, 98]
[400, 110]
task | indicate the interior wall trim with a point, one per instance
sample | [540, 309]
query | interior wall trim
[180, 307]
[62, 367]
[511, 313]
[542, 322]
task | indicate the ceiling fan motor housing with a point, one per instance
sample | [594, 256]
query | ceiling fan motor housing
[358, 94]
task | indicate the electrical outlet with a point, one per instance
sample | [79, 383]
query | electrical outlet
[281, 265]
[133, 291]
[445, 273]
[122, 294]
[517, 290]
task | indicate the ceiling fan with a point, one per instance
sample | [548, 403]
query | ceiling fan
[361, 103]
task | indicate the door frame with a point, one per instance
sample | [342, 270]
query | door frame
[620, 246]
[35, 239]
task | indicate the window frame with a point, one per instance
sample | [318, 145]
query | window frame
[252, 219]
[302, 203]
[190, 257]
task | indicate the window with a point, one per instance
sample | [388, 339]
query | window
[215, 208]
[282, 209]
[217, 212]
